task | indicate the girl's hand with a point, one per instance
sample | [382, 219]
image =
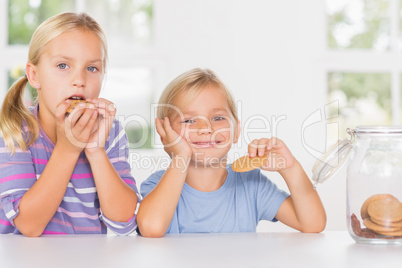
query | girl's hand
[279, 156]
[74, 131]
[105, 114]
[173, 143]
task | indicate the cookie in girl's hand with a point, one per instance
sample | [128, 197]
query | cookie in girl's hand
[73, 104]
[247, 163]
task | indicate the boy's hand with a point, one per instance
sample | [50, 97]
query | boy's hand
[279, 156]
[173, 143]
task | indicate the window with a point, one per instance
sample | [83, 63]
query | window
[128, 26]
[363, 66]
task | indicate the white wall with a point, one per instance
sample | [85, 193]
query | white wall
[269, 54]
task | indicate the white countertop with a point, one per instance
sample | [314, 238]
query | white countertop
[293, 249]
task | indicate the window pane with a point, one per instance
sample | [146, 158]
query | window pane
[359, 24]
[24, 16]
[400, 26]
[400, 100]
[131, 90]
[124, 21]
[363, 99]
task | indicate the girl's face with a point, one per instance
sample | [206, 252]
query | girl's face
[207, 125]
[71, 66]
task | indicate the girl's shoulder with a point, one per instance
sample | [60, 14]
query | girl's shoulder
[117, 134]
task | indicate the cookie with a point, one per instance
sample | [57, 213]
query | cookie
[73, 104]
[385, 210]
[247, 163]
[394, 233]
[380, 229]
[397, 224]
[363, 210]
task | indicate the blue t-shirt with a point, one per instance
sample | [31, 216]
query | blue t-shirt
[238, 205]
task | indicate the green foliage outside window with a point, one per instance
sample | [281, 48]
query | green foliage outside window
[24, 16]
[367, 27]
[363, 99]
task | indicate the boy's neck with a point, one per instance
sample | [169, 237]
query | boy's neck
[206, 179]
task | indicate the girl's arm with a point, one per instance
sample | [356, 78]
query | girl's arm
[158, 207]
[303, 210]
[117, 200]
[39, 204]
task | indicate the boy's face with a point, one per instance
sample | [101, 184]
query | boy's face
[71, 65]
[207, 125]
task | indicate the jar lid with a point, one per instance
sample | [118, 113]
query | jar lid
[378, 129]
[331, 161]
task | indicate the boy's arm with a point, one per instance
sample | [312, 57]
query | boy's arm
[158, 207]
[303, 210]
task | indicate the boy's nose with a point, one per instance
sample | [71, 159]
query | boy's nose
[204, 127]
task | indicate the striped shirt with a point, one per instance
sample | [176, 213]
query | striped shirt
[79, 212]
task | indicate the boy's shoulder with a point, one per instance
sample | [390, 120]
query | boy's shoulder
[155, 177]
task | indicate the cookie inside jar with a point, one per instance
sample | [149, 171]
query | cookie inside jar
[381, 215]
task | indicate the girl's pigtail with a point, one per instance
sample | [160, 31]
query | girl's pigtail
[14, 116]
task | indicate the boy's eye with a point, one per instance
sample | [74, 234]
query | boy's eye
[62, 66]
[218, 118]
[92, 69]
[188, 121]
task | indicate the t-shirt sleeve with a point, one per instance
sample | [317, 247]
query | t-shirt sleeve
[269, 198]
[17, 176]
[117, 149]
[149, 184]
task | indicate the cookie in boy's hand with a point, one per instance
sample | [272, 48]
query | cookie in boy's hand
[247, 163]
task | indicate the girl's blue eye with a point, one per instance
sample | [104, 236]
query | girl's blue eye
[92, 69]
[62, 66]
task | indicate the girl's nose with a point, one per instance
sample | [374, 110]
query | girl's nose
[79, 79]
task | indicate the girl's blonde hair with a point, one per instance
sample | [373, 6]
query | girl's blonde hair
[14, 114]
[192, 83]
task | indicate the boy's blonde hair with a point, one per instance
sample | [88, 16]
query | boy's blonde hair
[14, 114]
[192, 83]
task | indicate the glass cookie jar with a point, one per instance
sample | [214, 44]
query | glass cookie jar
[374, 182]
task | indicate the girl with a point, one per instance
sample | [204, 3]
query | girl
[199, 192]
[64, 174]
